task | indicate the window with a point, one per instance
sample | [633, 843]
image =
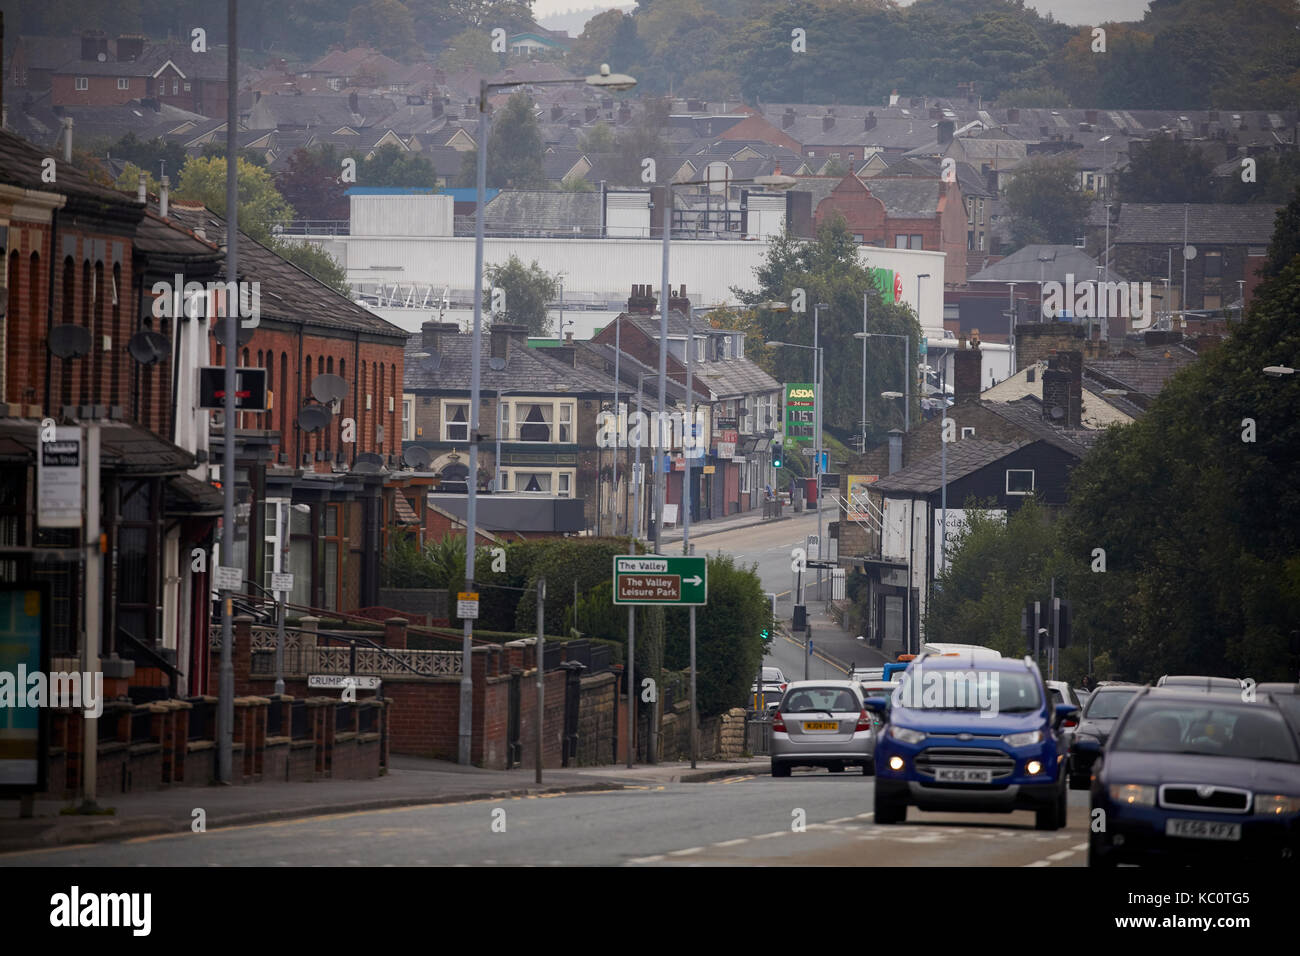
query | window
[916, 242]
[535, 482]
[333, 550]
[981, 204]
[859, 238]
[981, 242]
[967, 432]
[1213, 265]
[566, 423]
[123, 82]
[455, 421]
[176, 86]
[900, 241]
[1256, 251]
[744, 478]
[504, 425]
[564, 487]
[1212, 302]
[1020, 481]
[535, 422]
[408, 415]
[82, 83]
[187, 86]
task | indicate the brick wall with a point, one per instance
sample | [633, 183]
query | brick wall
[596, 720]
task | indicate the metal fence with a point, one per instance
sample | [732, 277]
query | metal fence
[758, 734]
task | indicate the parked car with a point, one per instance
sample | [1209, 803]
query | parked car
[1212, 685]
[773, 687]
[941, 753]
[1194, 778]
[822, 723]
[1095, 723]
[1287, 697]
[1062, 693]
[1083, 696]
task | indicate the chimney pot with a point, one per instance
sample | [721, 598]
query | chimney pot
[787, 120]
[142, 191]
[162, 196]
[870, 122]
[828, 121]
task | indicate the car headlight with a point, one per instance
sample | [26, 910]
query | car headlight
[906, 735]
[1025, 739]
[1275, 804]
[1133, 794]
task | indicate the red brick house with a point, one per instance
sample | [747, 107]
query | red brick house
[169, 73]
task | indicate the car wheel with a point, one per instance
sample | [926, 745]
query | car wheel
[1052, 816]
[889, 811]
[780, 769]
[1099, 855]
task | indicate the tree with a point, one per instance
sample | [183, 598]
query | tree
[599, 138]
[829, 270]
[386, 25]
[1165, 170]
[514, 156]
[311, 183]
[469, 51]
[312, 259]
[260, 205]
[156, 156]
[528, 290]
[645, 138]
[392, 166]
[129, 181]
[1045, 203]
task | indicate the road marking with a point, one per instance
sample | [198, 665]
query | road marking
[1038, 863]
[1082, 846]
[733, 842]
[647, 859]
[686, 852]
[1062, 855]
[768, 836]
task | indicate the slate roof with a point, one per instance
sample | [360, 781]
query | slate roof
[1146, 376]
[158, 237]
[203, 66]
[629, 367]
[1027, 413]
[731, 377]
[1206, 222]
[287, 292]
[906, 198]
[318, 111]
[528, 368]
[965, 457]
[21, 164]
[1023, 266]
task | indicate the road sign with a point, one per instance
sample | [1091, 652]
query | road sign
[229, 579]
[281, 582]
[58, 479]
[250, 388]
[650, 579]
[467, 604]
[343, 680]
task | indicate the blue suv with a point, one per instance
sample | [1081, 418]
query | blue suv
[975, 734]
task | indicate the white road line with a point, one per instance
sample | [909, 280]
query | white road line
[1062, 855]
[733, 842]
[686, 852]
[647, 859]
[1038, 863]
[842, 820]
[1082, 846]
[768, 836]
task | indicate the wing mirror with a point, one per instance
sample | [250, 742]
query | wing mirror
[1064, 712]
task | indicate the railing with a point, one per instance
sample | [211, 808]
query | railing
[301, 659]
[758, 734]
[314, 227]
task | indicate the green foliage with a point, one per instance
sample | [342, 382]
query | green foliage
[528, 289]
[515, 145]
[260, 205]
[1165, 170]
[575, 184]
[728, 646]
[129, 181]
[829, 270]
[1035, 97]
[313, 259]
[470, 51]
[644, 138]
[312, 183]
[149, 156]
[386, 25]
[1045, 203]
[598, 139]
[393, 166]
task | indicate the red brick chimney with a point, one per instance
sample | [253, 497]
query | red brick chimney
[966, 367]
[642, 301]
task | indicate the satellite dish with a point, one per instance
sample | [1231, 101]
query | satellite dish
[1058, 412]
[432, 363]
[314, 417]
[1189, 252]
[148, 347]
[70, 341]
[243, 335]
[101, 57]
[417, 457]
[328, 388]
[496, 363]
[368, 463]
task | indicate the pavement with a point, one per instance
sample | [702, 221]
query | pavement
[411, 781]
[748, 519]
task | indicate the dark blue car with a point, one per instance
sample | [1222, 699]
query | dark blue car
[1191, 777]
[975, 734]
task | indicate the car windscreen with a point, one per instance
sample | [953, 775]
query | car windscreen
[1108, 704]
[1212, 729]
[808, 700]
[934, 688]
[773, 675]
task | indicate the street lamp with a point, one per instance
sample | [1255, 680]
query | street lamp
[605, 80]
[907, 373]
[777, 182]
[1278, 371]
[818, 369]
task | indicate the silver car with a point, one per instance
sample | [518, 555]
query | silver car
[822, 723]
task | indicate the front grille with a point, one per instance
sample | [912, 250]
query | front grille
[1186, 796]
[1002, 764]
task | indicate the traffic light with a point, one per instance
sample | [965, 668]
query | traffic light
[765, 634]
[776, 453]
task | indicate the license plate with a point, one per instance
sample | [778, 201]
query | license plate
[1203, 829]
[962, 775]
[821, 725]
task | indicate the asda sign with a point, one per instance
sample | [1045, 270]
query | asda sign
[888, 283]
[800, 412]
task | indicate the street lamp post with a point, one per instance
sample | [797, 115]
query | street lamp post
[907, 374]
[817, 351]
[606, 80]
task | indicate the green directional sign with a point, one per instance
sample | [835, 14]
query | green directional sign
[651, 579]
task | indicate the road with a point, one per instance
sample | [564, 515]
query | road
[769, 547]
[811, 818]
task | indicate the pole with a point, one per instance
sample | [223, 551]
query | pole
[661, 480]
[465, 735]
[618, 426]
[907, 383]
[694, 735]
[496, 480]
[1038, 638]
[226, 673]
[943, 489]
[686, 453]
[90, 650]
[1182, 304]
[863, 423]
[817, 437]
[282, 514]
[636, 472]
[1011, 335]
[541, 662]
[1056, 628]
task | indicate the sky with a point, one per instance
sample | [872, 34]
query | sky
[1073, 12]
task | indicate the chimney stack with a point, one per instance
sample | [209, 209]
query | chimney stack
[787, 119]
[507, 340]
[431, 335]
[162, 196]
[142, 191]
[591, 113]
[67, 139]
[946, 128]
[642, 301]
[557, 111]
[129, 47]
[1013, 115]
[828, 121]
[870, 122]
[966, 375]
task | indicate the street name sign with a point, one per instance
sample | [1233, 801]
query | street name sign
[651, 579]
[342, 680]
